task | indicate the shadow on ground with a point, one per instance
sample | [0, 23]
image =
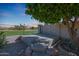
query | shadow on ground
[13, 49]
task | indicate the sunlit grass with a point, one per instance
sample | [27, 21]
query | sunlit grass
[20, 32]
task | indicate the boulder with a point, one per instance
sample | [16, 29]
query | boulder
[38, 47]
[4, 54]
[72, 54]
[28, 51]
[47, 42]
[64, 52]
[19, 39]
[39, 53]
[50, 51]
[29, 40]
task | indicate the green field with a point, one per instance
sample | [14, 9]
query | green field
[19, 32]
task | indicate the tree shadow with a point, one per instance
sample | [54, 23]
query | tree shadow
[13, 49]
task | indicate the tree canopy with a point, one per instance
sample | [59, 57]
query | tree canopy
[53, 12]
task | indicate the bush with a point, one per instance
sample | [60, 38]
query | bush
[2, 39]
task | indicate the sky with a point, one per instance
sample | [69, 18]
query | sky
[14, 14]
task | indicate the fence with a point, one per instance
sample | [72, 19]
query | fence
[55, 30]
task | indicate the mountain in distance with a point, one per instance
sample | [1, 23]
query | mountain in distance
[9, 25]
[6, 25]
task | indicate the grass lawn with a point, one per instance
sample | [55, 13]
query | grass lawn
[19, 32]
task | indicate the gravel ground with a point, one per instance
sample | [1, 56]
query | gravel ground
[15, 48]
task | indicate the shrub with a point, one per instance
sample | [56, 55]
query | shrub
[2, 39]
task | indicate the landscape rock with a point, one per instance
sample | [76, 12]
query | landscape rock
[39, 53]
[63, 52]
[28, 51]
[38, 47]
[4, 54]
[50, 51]
[29, 40]
[72, 54]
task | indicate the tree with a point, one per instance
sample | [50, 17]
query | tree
[52, 13]
[17, 27]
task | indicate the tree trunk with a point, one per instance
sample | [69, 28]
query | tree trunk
[72, 32]
[59, 30]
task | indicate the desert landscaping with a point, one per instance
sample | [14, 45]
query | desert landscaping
[39, 29]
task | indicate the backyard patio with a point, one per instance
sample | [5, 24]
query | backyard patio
[32, 45]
